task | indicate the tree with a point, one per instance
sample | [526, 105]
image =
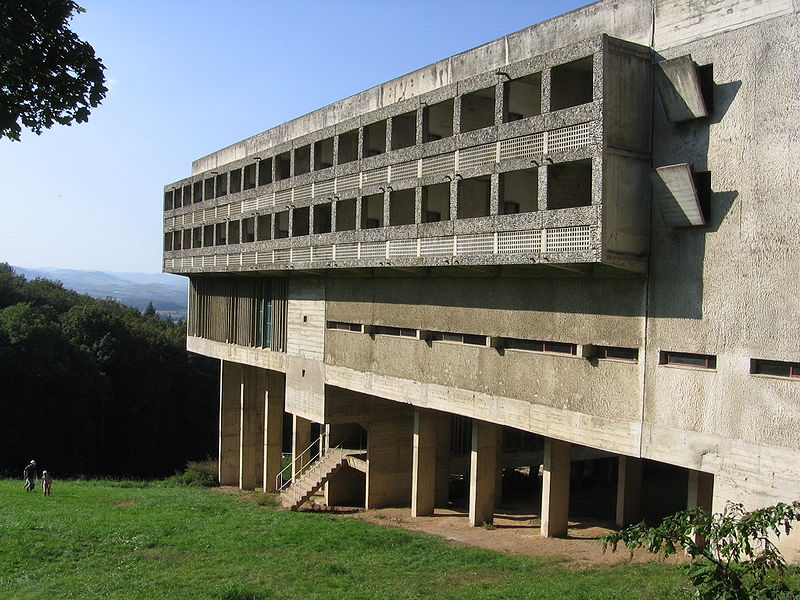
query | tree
[48, 75]
[733, 554]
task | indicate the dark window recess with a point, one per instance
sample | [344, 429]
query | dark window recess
[346, 214]
[235, 181]
[323, 154]
[233, 232]
[436, 203]
[460, 338]
[539, 346]
[265, 171]
[263, 228]
[477, 109]
[322, 218]
[404, 130]
[222, 234]
[775, 368]
[187, 239]
[571, 84]
[187, 195]
[569, 184]
[168, 196]
[197, 237]
[248, 230]
[197, 191]
[372, 211]
[208, 236]
[178, 196]
[208, 188]
[342, 326]
[401, 207]
[249, 177]
[615, 353]
[395, 331]
[281, 221]
[375, 139]
[222, 184]
[302, 160]
[168, 241]
[300, 220]
[437, 121]
[519, 191]
[685, 359]
[473, 197]
[176, 240]
[348, 147]
[523, 98]
[283, 166]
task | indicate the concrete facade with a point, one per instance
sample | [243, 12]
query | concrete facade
[582, 233]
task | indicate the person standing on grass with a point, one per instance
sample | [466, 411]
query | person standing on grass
[46, 482]
[30, 476]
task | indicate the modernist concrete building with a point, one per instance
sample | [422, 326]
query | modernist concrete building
[575, 246]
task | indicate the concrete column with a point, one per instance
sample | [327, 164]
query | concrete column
[301, 438]
[389, 455]
[555, 487]
[251, 456]
[273, 427]
[229, 415]
[423, 475]
[629, 490]
[700, 493]
[483, 472]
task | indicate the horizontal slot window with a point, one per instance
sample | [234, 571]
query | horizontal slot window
[775, 368]
[343, 326]
[540, 346]
[459, 338]
[396, 331]
[615, 353]
[685, 359]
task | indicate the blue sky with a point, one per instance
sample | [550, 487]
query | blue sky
[188, 78]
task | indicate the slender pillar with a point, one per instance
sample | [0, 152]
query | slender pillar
[483, 472]
[251, 436]
[700, 493]
[229, 429]
[273, 427]
[423, 475]
[629, 490]
[555, 488]
[301, 438]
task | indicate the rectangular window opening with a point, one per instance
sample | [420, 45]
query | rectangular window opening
[168, 241]
[616, 353]
[686, 359]
[197, 192]
[281, 221]
[571, 84]
[197, 237]
[323, 154]
[523, 98]
[233, 232]
[396, 331]
[221, 234]
[477, 109]
[248, 230]
[322, 218]
[404, 130]
[343, 326]
[569, 184]
[348, 147]
[187, 239]
[249, 178]
[263, 228]
[208, 236]
[547, 346]
[374, 139]
[187, 195]
[300, 221]
[208, 188]
[459, 338]
[283, 165]
[235, 181]
[372, 211]
[401, 207]
[346, 214]
[222, 184]
[437, 121]
[519, 191]
[473, 197]
[302, 160]
[436, 203]
[265, 171]
[178, 197]
[168, 200]
[775, 368]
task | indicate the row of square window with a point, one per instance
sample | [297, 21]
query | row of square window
[569, 186]
[571, 86]
[772, 368]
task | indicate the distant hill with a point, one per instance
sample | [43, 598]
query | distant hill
[166, 292]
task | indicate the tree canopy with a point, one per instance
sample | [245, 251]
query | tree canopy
[48, 75]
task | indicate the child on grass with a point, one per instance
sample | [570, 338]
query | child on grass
[46, 482]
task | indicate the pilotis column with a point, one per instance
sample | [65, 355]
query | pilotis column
[483, 472]
[555, 487]
[629, 490]
[230, 381]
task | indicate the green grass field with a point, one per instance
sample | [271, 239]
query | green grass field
[137, 540]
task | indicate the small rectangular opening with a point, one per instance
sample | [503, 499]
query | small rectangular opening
[436, 203]
[300, 221]
[569, 184]
[477, 109]
[686, 359]
[571, 84]
[437, 121]
[281, 221]
[248, 230]
[322, 218]
[404, 130]
[342, 326]
[177, 197]
[401, 207]
[302, 160]
[221, 234]
[208, 236]
[222, 184]
[187, 195]
[473, 197]
[775, 368]
[265, 171]
[548, 346]
[208, 188]
[459, 338]
[168, 200]
[168, 241]
[348, 147]
[616, 353]
[176, 240]
[519, 191]
[197, 237]
[263, 228]
[375, 139]
[372, 211]
[346, 214]
[396, 331]
[323, 154]
[283, 166]
[187, 239]
[235, 181]
[523, 98]
[233, 232]
[249, 176]
[197, 191]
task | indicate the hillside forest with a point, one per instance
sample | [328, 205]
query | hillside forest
[91, 387]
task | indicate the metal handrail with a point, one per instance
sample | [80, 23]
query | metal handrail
[281, 483]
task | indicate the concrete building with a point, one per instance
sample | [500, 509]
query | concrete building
[574, 246]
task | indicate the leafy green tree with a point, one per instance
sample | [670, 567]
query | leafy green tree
[733, 554]
[48, 75]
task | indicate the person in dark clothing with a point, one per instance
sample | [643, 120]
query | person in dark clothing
[30, 476]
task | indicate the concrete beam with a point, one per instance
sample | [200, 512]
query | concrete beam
[555, 488]
[629, 491]
[483, 472]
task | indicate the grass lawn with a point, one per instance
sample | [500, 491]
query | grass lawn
[138, 540]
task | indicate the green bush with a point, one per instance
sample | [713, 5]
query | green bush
[198, 472]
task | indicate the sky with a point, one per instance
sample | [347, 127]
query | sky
[188, 78]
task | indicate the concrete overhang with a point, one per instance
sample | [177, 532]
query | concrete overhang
[678, 82]
[676, 195]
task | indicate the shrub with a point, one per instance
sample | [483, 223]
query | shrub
[198, 472]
